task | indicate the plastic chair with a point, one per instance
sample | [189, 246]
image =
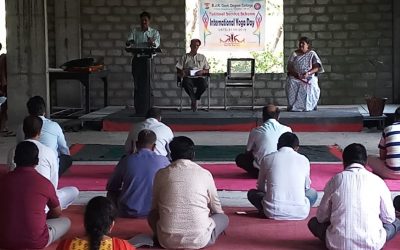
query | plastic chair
[240, 74]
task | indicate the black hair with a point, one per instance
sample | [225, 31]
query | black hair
[32, 126]
[154, 113]
[36, 106]
[145, 14]
[270, 112]
[306, 40]
[354, 153]
[181, 147]
[100, 214]
[26, 154]
[146, 137]
[288, 139]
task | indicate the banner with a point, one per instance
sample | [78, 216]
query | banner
[233, 25]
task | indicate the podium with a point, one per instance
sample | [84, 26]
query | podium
[142, 72]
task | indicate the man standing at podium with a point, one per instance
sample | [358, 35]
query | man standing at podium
[144, 37]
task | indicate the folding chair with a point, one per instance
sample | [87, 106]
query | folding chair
[240, 74]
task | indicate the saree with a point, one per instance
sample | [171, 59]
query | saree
[303, 94]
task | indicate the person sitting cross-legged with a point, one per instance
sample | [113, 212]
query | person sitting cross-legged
[24, 195]
[131, 184]
[356, 210]
[99, 219]
[283, 186]
[153, 122]
[262, 140]
[387, 165]
[51, 135]
[48, 162]
[186, 211]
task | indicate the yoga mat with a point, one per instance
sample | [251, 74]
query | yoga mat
[101, 152]
[244, 231]
[226, 176]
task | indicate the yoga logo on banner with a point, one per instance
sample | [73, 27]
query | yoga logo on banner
[237, 24]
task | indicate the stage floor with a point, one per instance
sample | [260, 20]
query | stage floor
[346, 118]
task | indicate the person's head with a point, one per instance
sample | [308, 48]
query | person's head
[145, 20]
[32, 126]
[36, 106]
[99, 218]
[194, 45]
[305, 44]
[146, 139]
[154, 113]
[397, 115]
[26, 154]
[354, 153]
[288, 139]
[181, 147]
[270, 112]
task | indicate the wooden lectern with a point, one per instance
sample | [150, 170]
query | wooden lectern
[142, 73]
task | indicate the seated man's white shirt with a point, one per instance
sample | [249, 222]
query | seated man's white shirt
[48, 168]
[51, 135]
[263, 140]
[163, 132]
[284, 176]
[357, 203]
[198, 61]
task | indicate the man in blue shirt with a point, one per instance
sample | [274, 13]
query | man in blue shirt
[51, 134]
[131, 184]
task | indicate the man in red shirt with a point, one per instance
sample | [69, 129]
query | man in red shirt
[25, 194]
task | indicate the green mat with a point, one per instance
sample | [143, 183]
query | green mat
[100, 152]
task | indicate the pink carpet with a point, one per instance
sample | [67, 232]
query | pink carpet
[243, 232]
[226, 176]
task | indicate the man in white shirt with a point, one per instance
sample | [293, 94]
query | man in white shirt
[48, 162]
[387, 165]
[153, 122]
[144, 37]
[262, 140]
[356, 211]
[283, 186]
[191, 69]
[51, 134]
[186, 210]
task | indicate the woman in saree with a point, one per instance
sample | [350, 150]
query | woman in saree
[302, 90]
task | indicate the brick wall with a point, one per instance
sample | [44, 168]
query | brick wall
[352, 37]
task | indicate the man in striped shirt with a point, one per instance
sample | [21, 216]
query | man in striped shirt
[356, 211]
[387, 165]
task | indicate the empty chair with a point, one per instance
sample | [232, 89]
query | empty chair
[240, 74]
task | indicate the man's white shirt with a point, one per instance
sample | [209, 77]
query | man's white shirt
[163, 132]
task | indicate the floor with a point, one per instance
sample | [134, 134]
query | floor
[369, 137]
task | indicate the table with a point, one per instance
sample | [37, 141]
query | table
[85, 78]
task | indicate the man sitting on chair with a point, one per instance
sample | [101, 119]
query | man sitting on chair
[191, 68]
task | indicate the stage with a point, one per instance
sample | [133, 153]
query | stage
[347, 118]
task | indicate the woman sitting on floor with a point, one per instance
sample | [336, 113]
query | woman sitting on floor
[302, 88]
[99, 220]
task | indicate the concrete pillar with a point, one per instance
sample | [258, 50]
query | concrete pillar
[26, 55]
[396, 51]
[67, 47]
